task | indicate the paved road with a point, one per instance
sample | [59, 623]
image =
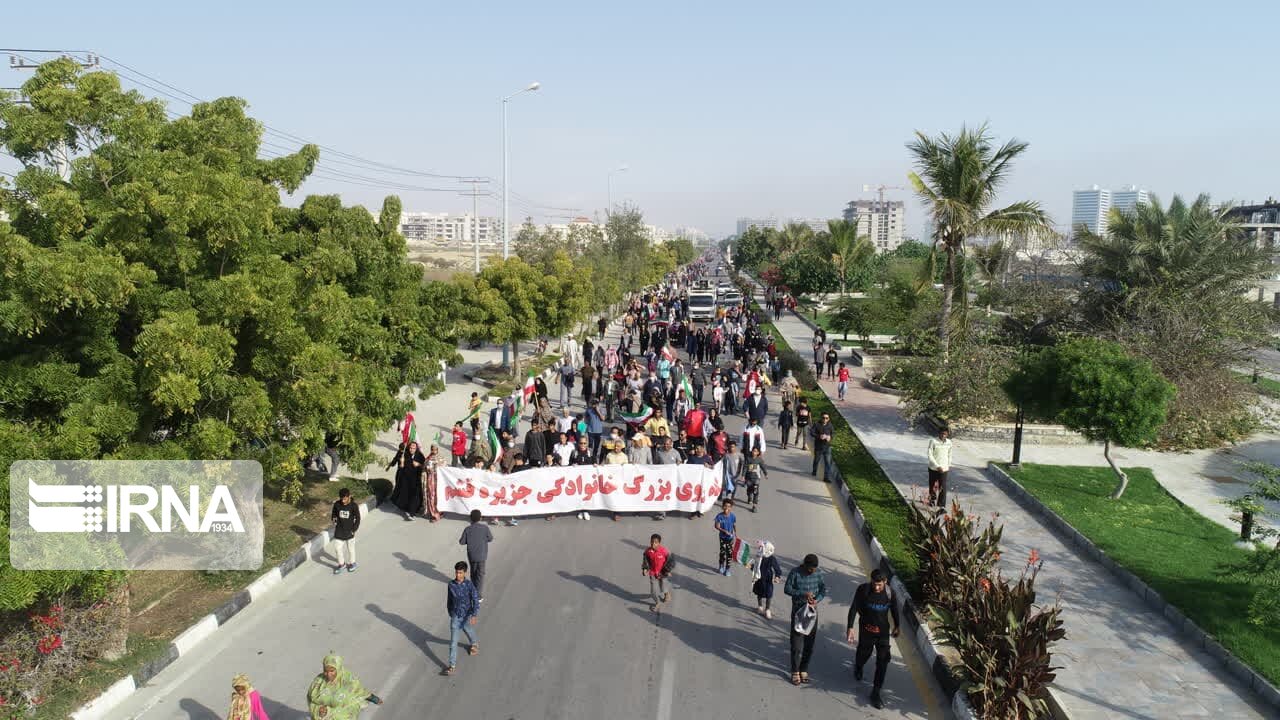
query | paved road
[565, 631]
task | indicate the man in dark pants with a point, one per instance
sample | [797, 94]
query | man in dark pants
[874, 602]
[477, 537]
[822, 433]
[806, 588]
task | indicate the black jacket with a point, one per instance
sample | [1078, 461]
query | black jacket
[346, 519]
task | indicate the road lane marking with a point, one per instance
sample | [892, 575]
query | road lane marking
[666, 689]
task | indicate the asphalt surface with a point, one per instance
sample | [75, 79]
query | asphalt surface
[565, 630]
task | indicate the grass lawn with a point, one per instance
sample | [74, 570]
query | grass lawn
[883, 507]
[1174, 549]
[164, 603]
[1264, 386]
[877, 325]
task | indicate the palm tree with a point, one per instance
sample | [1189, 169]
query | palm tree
[993, 261]
[848, 249]
[792, 239]
[1192, 250]
[958, 178]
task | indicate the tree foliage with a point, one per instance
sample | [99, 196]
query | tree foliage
[1097, 389]
[959, 177]
[807, 273]
[163, 303]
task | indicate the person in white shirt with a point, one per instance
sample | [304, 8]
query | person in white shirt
[753, 437]
[939, 465]
[564, 423]
[562, 450]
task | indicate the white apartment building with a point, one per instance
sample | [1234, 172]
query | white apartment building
[882, 222]
[1091, 207]
[765, 223]
[446, 229]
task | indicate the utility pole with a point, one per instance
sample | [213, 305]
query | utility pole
[475, 193]
[63, 157]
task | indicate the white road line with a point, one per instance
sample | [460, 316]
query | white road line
[388, 688]
[666, 690]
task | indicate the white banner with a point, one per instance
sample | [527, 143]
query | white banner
[574, 488]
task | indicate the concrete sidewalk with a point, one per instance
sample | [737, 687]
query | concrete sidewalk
[1120, 658]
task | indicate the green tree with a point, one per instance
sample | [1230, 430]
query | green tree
[807, 273]
[684, 250]
[958, 177]
[791, 239]
[1097, 389]
[510, 301]
[163, 303]
[849, 250]
[751, 249]
[850, 315]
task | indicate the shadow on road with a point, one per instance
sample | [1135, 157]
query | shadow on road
[424, 569]
[599, 584]
[418, 637]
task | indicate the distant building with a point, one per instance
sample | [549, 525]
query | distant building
[882, 222]
[447, 229]
[815, 224]
[1127, 199]
[1089, 208]
[1261, 224]
[766, 223]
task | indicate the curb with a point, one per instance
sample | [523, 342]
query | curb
[100, 707]
[918, 631]
[1269, 693]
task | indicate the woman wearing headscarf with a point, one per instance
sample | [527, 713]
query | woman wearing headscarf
[246, 703]
[429, 485]
[540, 388]
[767, 573]
[336, 694]
[408, 492]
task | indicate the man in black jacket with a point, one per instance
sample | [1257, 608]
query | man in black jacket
[535, 453]
[874, 602]
[346, 520]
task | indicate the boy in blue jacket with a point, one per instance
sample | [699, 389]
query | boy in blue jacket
[464, 607]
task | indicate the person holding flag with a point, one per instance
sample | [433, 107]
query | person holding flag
[458, 446]
[408, 429]
[473, 412]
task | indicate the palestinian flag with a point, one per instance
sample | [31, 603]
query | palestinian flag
[639, 418]
[409, 429]
[528, 390]
[495, 445]
[741, 551]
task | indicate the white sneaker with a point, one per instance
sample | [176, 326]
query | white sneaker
[760, 609]
[768, 614]
[586, 515]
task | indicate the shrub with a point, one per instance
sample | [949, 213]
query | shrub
[953, 552]
[969, 386]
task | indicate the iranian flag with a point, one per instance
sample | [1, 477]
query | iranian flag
[668, 353]
[639, 418]
[495, 446]
[529, 389]
[517, 401]
[687, 388]
[741, 551]
[409, 429]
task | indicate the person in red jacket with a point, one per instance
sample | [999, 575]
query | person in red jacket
[459, 446]
[657, 567]
[842, 381]
[693, 421]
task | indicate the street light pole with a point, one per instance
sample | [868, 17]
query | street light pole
[609, 190]
[506, 234]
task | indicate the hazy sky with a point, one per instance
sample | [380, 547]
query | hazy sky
[719, 109]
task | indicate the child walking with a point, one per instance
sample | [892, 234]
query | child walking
[657, 565]
[346, 520]
[463, 604]
[753, 471]
[726, 523]
[767, 573]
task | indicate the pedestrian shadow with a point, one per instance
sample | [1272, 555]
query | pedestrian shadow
[280, 711]
[416, 636]
[424, 569]
[823, 500]
[761, 653]
[197, 711]
[599, 584]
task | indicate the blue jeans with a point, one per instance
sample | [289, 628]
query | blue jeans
[824, 456]
[456, 626]
[840, 388]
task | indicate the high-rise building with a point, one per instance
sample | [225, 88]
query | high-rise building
[1126, 199]
[882, 222]
[1089, 208]
[446, 229]
[766, 223]
[815, 224]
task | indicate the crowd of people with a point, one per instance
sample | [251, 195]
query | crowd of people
[659, 394]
